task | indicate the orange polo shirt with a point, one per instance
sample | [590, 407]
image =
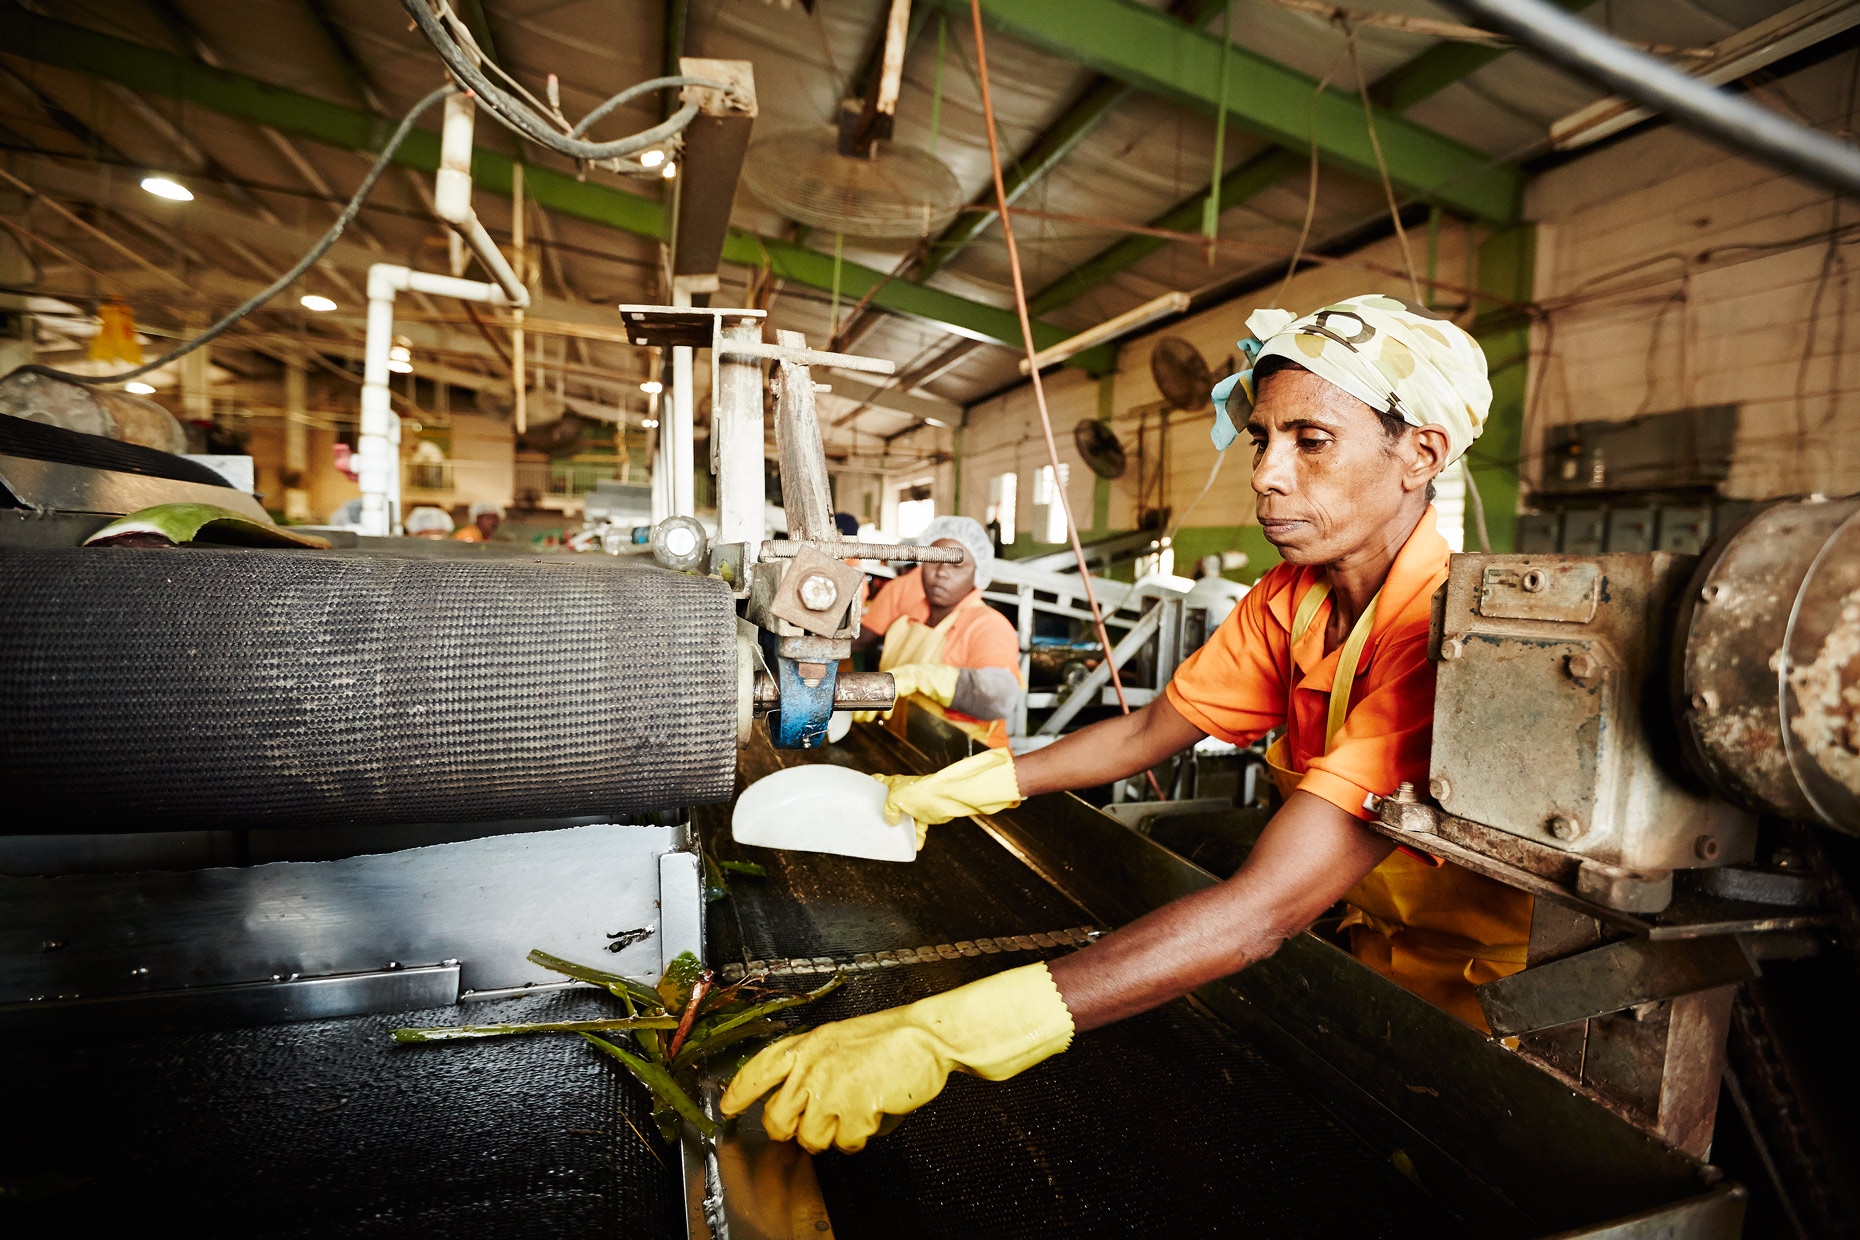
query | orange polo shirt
[976, 637]
[1237, 686]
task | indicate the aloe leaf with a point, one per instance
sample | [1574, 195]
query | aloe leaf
[753, 869]
[623, 987]
[458, 1033]
[697, 1047]
[659, 1081]
[761, 1010]
[680, 976]
[183, 523]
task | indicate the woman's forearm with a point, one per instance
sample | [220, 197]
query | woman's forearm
[1106, 751]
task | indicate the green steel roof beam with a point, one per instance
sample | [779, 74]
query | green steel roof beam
[1165, 57]
[1439, 67]
[1250, 177]
[80, 50]
[1047, 150]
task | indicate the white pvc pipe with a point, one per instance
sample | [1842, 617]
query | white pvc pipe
[452, 197]
[378, 453]
[681, 457]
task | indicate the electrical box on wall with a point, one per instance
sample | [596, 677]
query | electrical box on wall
[1681, 450]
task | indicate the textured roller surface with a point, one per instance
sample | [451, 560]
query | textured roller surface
[1167, 1124]
[169, 688]
[331, 1129]
[24, 437]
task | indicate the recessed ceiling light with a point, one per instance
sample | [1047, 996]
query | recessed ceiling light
[315, 301]
[652, 387]
[671, 170]
[139, 388]
[401, 367]
[651, 159]
[162, 187]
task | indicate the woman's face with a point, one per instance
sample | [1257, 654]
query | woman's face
[945, 585]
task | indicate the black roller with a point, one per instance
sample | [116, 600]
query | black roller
[146, 689]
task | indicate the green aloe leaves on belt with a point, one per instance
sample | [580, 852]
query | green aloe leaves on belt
[678, 1030]
[173, 524]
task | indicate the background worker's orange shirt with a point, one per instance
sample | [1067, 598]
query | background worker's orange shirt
[1243, 683]
[976, 637]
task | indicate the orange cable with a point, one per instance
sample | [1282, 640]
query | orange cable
[1033, 369]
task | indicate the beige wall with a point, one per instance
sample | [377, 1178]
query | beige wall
[1003, 434]
[1677, 275]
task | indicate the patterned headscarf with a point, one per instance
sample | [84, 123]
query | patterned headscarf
[1394, 357]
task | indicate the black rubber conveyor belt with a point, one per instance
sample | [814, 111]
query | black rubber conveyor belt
[329, 1128]
[1164, 1125]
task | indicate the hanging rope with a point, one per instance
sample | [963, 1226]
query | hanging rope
[1033, 369]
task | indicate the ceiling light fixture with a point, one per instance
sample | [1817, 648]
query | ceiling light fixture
[315, 301]
[671, 170]
[162, 187]
[138, 388]
[649, 423]
[401, 367]
[651, 159]
[652, 387]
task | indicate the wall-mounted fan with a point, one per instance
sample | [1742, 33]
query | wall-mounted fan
[1181, 375]
[1099, 446]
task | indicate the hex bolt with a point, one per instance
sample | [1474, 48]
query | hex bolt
[1706, 700]
[1451, 649]
[1584, 667]
[1440, 789]
[1404, 795]
[1706, 848]
[818, 592]
[1565, 826]
[1711, 593]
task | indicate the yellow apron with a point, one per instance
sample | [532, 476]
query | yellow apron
[1435, 928]
[912, 641]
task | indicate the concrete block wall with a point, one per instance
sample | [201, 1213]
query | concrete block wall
[1676, 274]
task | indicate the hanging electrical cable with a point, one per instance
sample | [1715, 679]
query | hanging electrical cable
[1039, 389]
[523, 117]
[290, 277]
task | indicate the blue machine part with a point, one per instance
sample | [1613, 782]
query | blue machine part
[801, 723]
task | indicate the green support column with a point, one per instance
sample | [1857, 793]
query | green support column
[1506, 264]
[1101, 485]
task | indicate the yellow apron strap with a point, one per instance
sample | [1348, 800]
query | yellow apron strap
[1307, 608]
[1346, 661]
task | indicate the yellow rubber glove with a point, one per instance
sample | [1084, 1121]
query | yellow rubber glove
[839, 1081]
[980, 784]
[936, 681]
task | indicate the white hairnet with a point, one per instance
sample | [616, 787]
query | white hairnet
[427, 520]
[969, 532]
[483, 506]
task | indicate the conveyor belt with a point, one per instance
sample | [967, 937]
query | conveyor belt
[1167, 1124]
[328, 1128]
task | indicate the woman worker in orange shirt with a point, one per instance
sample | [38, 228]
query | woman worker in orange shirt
[1353, 411]
[951, 653]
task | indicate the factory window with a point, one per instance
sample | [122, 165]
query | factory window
[1049, 514]
[915, 510]
[1001, 495]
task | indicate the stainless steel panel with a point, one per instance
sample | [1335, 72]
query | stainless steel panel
[79, 488]
[247, 1003]
[486, 903]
